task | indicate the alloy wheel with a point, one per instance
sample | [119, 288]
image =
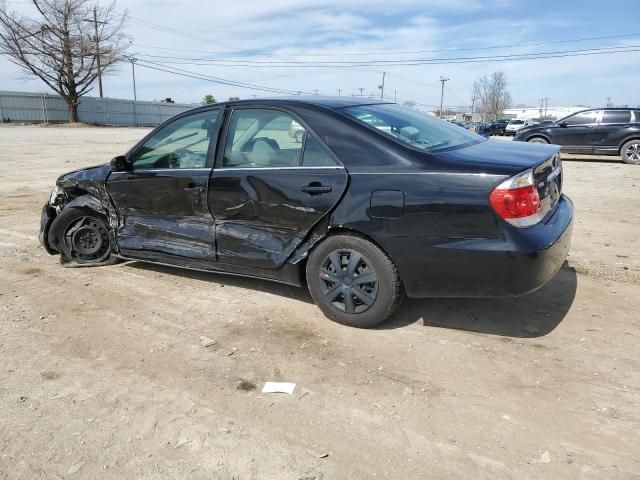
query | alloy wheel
[633, 152]
[349, 281]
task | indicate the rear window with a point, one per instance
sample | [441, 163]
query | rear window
[616, 116]
[516, 122]
[413, 128]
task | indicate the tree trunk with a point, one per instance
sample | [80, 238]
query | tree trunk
[73, 103]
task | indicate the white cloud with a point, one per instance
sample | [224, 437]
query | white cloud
[348, 31]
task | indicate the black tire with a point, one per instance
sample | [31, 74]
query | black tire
[358, 260]
[537, 140]
[82, 237]
[630, 152]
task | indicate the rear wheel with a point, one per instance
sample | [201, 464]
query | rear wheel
[537, 140]
[353, 281]
[630, 152]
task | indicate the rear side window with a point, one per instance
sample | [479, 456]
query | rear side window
[616, 116]
[584, 118]
[314, 155]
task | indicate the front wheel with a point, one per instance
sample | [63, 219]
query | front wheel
[353, 281]
[537, 140]
[630, 152]
[82, 238]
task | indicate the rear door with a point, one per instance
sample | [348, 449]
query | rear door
[613, 127]
[270, 186]
[161, 201]
[574, 133]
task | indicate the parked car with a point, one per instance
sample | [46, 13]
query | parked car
[296, 131]
[376, 202]
[496, 128]
[601, 131]
[516, 124]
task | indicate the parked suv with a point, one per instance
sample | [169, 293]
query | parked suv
[602, 131]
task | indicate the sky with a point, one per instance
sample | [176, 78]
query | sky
[238, 34]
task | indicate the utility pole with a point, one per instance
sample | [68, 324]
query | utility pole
[541, 102]
[381, 86]
[315, 91]
[395, 96]
[442, 80]
[473, 104]
[133, 73]
[95, 26]
[135, 95]
[546, 105]
[609, 102]
[361, 91]
[339, 92]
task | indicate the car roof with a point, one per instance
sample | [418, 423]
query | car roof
[315, 100]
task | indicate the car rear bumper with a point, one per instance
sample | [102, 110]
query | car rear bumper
[519, 263]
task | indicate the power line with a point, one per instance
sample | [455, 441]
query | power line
[410, 62]
[387, 52]
[219, 80]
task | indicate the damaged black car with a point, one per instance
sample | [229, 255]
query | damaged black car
[367, 202]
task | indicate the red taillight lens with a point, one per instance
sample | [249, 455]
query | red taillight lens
[517, 201]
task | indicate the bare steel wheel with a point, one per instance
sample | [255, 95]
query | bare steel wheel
[349, 281]
[88, 239]
[630, 152]
[353, 281]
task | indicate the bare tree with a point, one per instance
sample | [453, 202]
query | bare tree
[491, 96]
[67, 46]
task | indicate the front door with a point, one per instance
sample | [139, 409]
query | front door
[273, 181]
[574, 133]
[161, 201]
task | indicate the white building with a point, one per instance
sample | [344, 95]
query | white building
[552, 113]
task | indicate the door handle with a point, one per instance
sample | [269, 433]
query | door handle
[192, 187]
[315, 188]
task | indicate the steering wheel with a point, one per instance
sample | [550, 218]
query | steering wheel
[177, 155]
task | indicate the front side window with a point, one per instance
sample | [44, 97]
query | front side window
[616, 116]
[181, 144]
[260, 138]
[584, 118]
[414, 128]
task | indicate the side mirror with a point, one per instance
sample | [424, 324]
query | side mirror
[119, 164]
[563, 123]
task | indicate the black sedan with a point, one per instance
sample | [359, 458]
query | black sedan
[375, 201]
[606, 131]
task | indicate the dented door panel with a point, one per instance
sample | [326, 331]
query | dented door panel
[262, 215]
[164, 210]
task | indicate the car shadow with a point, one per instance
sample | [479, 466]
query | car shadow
[266, 286]
[530, 316]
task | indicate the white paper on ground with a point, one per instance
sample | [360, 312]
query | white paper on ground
[279, 387]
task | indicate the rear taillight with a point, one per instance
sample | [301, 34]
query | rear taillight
[516, 200]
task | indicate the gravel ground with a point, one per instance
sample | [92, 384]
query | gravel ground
[102, 374]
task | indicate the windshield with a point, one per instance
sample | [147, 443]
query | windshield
[516, 122]
[414, 128]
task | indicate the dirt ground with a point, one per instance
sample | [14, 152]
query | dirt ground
[102, 374]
